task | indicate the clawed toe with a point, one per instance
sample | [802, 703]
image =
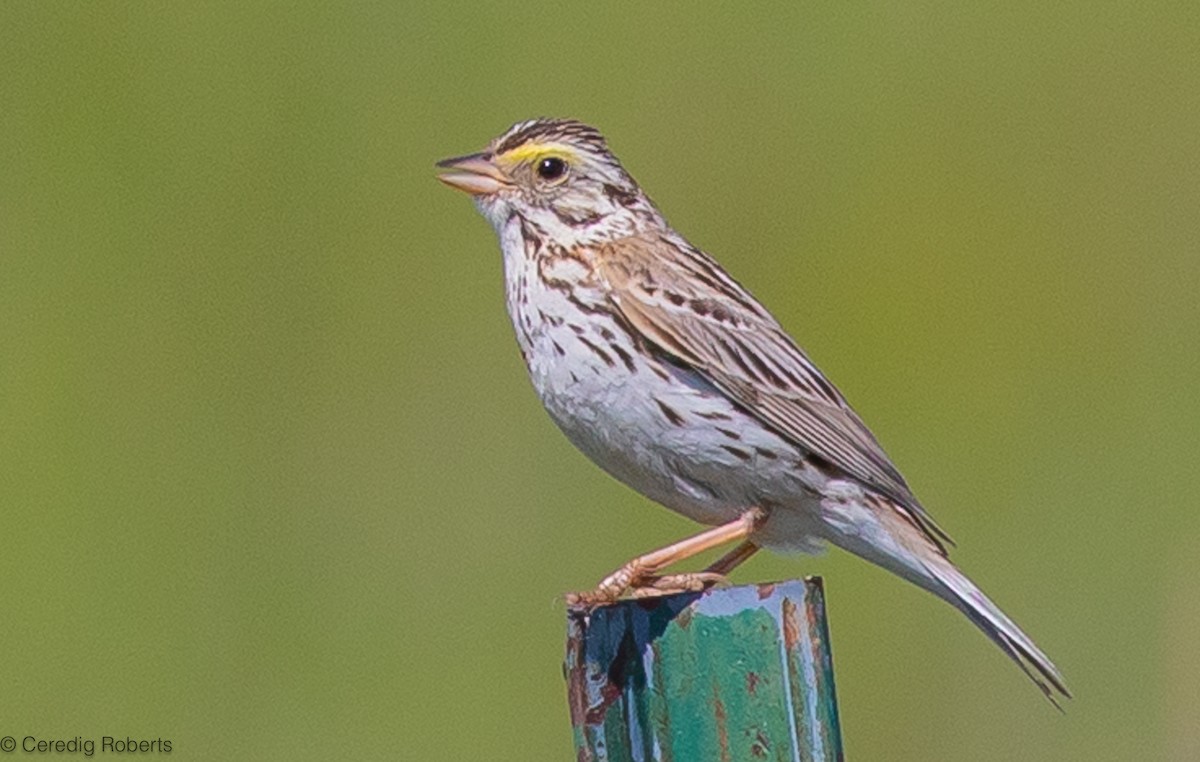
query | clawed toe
[648, 587]
[610, 589]
[672, 584]
[590, 599]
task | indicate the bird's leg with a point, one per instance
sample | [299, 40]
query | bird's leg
[732, 559]
[643, 569]
[695, 582]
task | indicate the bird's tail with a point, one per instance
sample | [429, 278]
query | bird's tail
[880, 534]
[962, 593]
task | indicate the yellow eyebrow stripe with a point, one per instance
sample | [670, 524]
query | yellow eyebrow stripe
[531, 151]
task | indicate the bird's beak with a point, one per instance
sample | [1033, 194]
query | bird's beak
[475, 174]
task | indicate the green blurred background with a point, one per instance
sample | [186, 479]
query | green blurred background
[274, 485]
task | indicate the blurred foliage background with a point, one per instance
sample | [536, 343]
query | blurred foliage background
[274, 485]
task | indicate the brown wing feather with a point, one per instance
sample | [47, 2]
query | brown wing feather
[742, 349]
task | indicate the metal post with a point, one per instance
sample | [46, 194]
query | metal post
[742, 673]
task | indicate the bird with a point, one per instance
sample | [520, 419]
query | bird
[669, 375]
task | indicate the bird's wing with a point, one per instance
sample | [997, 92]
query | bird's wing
[685, 304]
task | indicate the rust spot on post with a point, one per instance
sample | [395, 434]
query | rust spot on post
[608, 694]
[752, 679]
[791, 628]
[576, 669]
[722, 725]
[761, 745]
[684, 620]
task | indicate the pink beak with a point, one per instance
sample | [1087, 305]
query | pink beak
[475, 174]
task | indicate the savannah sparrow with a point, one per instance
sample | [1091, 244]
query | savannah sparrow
[673, 378]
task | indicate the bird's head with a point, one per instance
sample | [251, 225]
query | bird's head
[558, 173]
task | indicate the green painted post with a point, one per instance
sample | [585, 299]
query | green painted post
[731, 674]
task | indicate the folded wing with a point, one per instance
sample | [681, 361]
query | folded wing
[733, 341]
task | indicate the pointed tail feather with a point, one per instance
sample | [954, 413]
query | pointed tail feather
[987, 616]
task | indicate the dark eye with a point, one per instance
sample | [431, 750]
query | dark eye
[551, 168]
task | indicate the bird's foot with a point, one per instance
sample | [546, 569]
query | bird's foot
[634, 583]
[640, 576]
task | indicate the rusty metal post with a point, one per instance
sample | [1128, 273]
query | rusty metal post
[742, 673]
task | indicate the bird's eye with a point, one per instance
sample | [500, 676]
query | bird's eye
[551, 168]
